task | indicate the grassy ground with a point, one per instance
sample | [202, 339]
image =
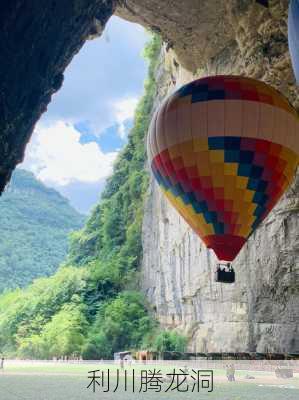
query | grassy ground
[53, 381]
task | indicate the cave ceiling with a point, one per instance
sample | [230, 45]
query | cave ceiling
[38, 39]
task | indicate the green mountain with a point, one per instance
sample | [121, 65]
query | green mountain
[35, 222]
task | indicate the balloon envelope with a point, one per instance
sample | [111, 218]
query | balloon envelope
[223, 150]
[293, 35]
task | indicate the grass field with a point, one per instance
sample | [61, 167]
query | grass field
[59, 381]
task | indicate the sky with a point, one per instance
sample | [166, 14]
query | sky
[76, 141]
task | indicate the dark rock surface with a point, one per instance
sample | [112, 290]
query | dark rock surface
[38, 39]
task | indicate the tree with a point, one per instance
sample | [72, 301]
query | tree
[122, 323]
[64, 335]
[169, 341]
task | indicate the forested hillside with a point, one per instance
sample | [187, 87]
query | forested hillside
[35, 222]
[93, 306]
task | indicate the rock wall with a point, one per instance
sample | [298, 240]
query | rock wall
[260, 312]
[38, 39]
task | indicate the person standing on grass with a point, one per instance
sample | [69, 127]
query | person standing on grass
[2, 364]
[230, 373]
[233, 370]
[227, 372]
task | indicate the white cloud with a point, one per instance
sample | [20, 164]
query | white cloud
[99, 75]
[123, 110]
[55, 155]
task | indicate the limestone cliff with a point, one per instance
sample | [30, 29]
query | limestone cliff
[258, 313]
[261, 311]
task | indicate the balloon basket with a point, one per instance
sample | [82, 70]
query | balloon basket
[224, 273]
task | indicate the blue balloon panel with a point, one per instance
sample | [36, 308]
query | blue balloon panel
[293, 34]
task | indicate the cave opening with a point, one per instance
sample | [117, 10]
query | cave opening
[76, 141]
[71, 153]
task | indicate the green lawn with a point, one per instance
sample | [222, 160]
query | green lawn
[74, 388]
[70, 381]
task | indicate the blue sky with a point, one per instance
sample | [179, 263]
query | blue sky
[75, 143]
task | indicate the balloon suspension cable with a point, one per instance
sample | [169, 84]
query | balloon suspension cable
[224, 265]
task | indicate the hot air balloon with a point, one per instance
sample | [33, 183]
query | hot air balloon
[223, 150]
[293, 35]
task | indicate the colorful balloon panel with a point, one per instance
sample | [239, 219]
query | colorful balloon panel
[293, 35]
[223, 150]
